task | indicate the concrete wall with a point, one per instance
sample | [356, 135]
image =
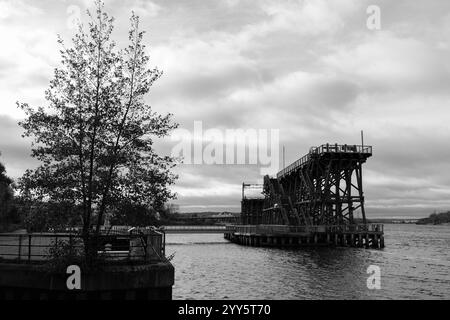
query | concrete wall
[150, 281]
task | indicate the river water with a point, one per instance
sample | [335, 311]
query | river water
[414, 265]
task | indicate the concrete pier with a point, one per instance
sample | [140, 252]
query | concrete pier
[131, 266]
[126, 282]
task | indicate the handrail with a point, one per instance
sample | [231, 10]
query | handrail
[325, 148]
[193, 228]
[36, 247]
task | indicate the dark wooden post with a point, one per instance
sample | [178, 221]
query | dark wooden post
[20, 247]
[29, 247]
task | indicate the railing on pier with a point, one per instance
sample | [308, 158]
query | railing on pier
[193, 229]
[120, 246]
[325, 148]
[284, 229]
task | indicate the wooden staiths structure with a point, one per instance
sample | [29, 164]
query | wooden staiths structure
[312, 202]
[324, 187]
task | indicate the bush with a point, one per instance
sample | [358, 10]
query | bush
[42, 216]
[64, 253]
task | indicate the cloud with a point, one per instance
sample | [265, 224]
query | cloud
[385, 60]
[17, 8]
[300, 92]
[15, 151]
[146, 8]
[308, 68]
[201, 69]
[27, 63]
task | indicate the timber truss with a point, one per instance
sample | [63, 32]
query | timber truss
[322, 188]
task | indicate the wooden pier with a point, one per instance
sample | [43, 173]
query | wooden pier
[362, 236]
[312, 202]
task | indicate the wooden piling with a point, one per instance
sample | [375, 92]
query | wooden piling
[368, 237]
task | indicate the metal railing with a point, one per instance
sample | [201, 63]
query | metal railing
[325, 148]
[284, 229]
[182, 227]
[41, 247]
[193, 229]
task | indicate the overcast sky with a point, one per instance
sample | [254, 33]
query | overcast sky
[311, 69]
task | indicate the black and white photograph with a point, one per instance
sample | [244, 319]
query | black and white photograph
[241, 152]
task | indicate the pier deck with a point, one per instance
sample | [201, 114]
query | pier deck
[364, 235]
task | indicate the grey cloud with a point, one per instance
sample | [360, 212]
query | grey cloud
[317, 77]
[15, 150]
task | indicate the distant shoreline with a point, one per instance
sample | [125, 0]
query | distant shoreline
[442, 218]
[445, 224]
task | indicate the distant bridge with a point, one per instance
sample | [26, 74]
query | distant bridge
[193, 229]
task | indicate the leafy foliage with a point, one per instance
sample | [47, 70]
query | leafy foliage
[131, 214]
[8, 211]
[46, 216]
[63, 253]
[95, 137]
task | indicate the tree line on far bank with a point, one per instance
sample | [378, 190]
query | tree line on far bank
[436, 218]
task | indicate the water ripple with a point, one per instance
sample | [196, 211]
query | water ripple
[414, 265]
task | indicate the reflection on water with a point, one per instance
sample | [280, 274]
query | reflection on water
[414, 265]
